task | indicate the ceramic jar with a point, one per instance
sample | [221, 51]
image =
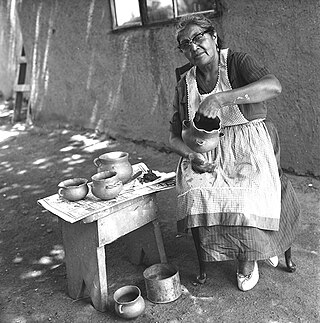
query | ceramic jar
[201, 135]
[73, 189]
[106, 185]
[117, 161]
[129, 303]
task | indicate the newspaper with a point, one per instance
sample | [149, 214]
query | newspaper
[76, 211]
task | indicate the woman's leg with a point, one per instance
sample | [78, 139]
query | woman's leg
[202, 267]
[247, 275]
[290, 264]
[245, 267]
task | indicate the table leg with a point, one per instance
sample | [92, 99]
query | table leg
[99, 285]
[85, 263]
[159, 240]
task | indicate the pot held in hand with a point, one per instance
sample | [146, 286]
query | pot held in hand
[117, 161]
[201, 134]
[106, 185]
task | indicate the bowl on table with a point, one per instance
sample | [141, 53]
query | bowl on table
[73, 189]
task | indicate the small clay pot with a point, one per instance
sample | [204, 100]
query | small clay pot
[73, 189]
[129, 303]
[106, 185]
[117, 161]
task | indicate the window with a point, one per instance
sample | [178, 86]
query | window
[127, 13]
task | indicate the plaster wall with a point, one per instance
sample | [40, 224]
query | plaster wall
[10, 47]
[122, 82]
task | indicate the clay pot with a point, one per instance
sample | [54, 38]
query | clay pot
[201, 134]
[116, 161]
[73, 189]
[129, 303]
[106, 185]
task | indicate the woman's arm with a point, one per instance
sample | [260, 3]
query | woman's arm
[267, 87]
[178, 146]
[198, 161]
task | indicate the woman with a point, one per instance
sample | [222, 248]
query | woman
[230, 197]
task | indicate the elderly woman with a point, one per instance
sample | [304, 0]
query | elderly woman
[230, 197]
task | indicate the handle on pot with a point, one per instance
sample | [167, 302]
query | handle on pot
[120, 309]
[60, 191]
[200, 142]
[113, 185]
[97, 162]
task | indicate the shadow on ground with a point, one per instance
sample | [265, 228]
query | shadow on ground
[32, 270]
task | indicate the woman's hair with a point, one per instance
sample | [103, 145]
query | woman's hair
[199, 20]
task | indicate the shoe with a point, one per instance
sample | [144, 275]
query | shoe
[202, 280]
[273, 261]
[247, 282]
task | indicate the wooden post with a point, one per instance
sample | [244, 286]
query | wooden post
[20, 87]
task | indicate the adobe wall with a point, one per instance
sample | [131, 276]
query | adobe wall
[122, 82]
[10, 48]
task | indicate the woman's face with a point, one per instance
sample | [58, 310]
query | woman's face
[203, 50]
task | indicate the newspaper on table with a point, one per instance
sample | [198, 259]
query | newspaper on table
[76, 211]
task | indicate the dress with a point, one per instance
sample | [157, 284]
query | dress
[237, 207]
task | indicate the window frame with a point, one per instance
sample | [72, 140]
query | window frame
[144, 15]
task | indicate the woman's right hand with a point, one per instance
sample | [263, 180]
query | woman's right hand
[199, 163]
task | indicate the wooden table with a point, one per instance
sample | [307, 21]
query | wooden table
[84, 242]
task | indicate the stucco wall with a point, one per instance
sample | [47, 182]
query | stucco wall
[122, 82]
[10, 47]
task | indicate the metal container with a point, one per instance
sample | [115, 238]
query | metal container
[162, 283]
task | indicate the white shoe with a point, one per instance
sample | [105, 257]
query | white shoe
[247, 282]
[273, 261]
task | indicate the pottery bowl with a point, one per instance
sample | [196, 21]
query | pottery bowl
[73, 189]
[106, 185]
[129, 303]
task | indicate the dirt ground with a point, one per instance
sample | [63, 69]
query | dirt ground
[32, 270]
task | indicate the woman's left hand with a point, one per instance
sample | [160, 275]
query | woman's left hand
[210, 106]
[200, 164]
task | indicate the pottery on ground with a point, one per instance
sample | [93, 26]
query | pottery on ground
[129, 303]
[73, 189]
[117, 161]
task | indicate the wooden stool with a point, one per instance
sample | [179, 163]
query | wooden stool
[84, 242]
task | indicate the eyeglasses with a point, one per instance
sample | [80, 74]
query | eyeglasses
[185, 45]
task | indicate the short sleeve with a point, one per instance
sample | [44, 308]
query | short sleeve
[180, 107]
[175, 122]
[249, 68]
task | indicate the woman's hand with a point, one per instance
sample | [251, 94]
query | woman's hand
[199, 163]
[210, 106]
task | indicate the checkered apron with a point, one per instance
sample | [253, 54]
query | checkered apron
[244, 190]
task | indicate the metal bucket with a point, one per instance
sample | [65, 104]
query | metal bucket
[162, 283]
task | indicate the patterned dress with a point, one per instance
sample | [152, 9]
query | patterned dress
[238, 206]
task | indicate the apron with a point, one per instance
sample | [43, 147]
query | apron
[244, 190]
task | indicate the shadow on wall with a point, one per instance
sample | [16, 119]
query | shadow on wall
[10, 46]
[102, 114]
[106, 116]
